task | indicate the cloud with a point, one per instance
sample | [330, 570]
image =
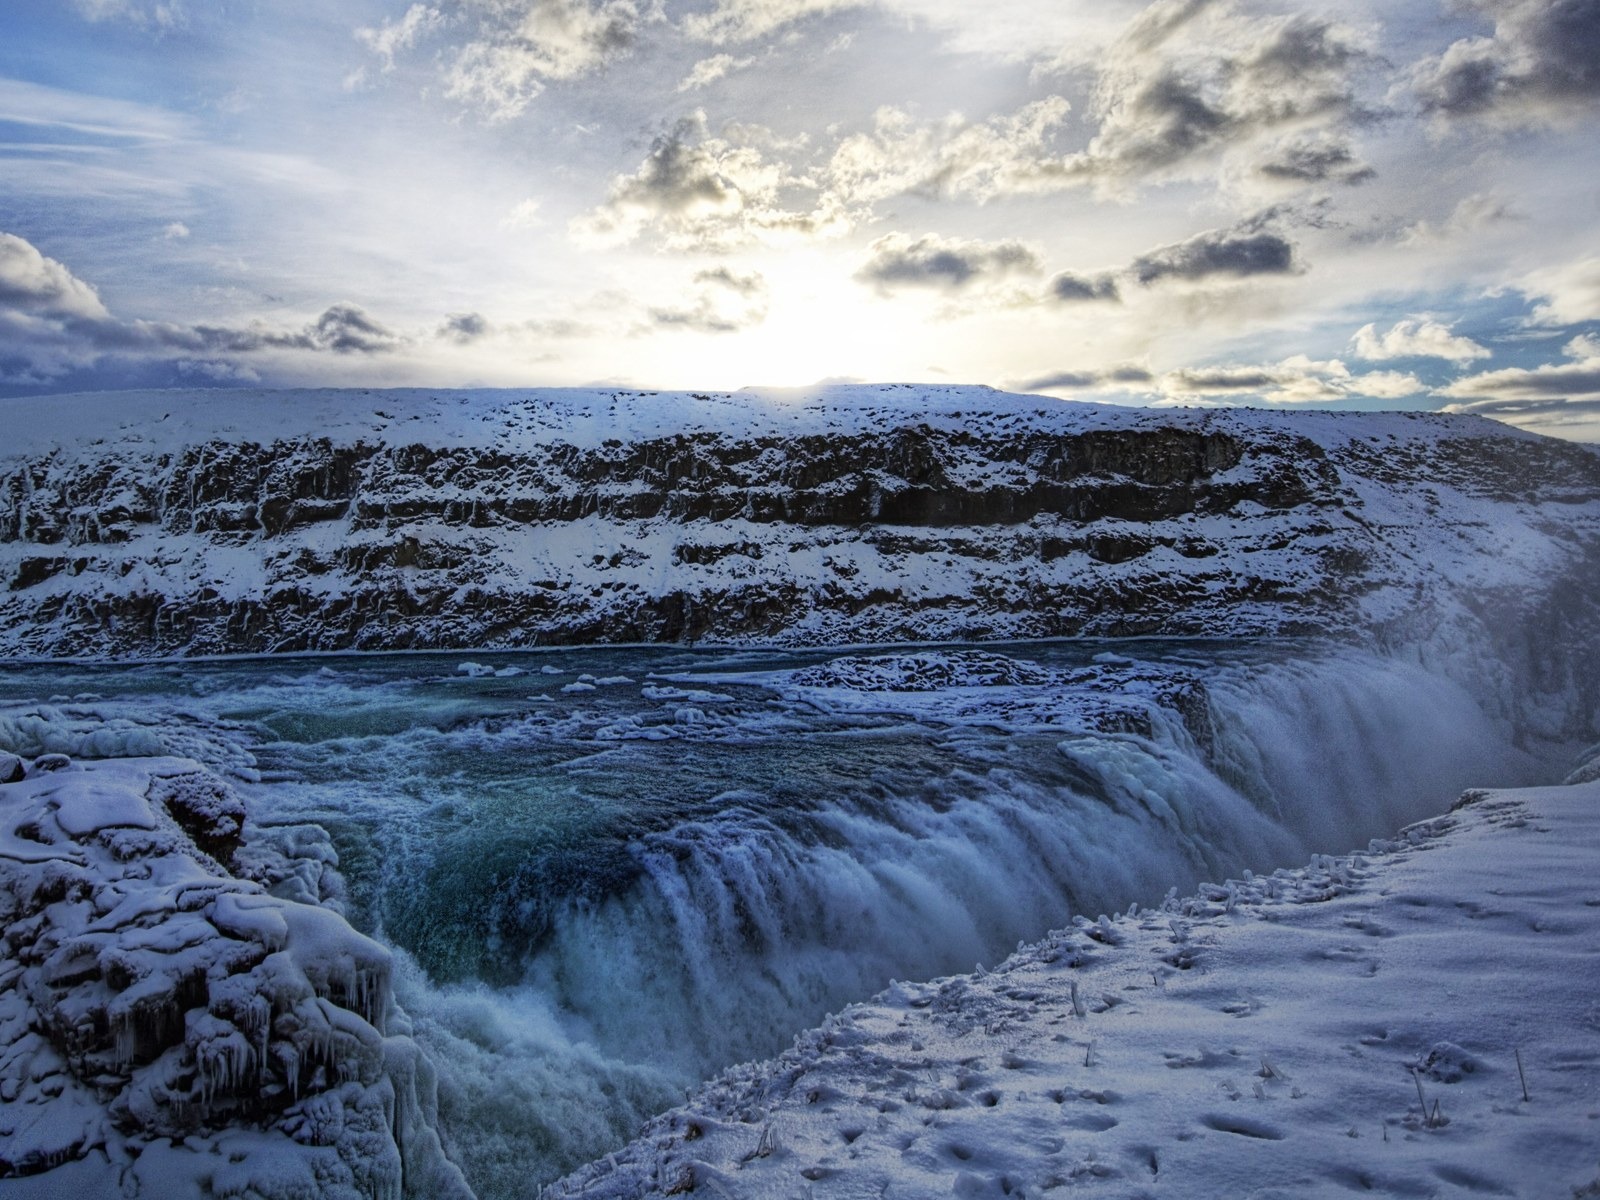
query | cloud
[1416, 337]
[1219, 253]
[52, 322]
[523, 215]
[1542, 63]
[392, 37]
[464, 328]
[1010, 154]
[340, 329]
[1071, 288]
[1319, 158]
[708, 70]
[1387, 385]
[1189, 78]
[1127, 378]
[944, 264]
[38, 286]
[699, 192]
[176, 231]
[1569, 294]
[1470, 215]
[1577, 419]
[161, 17]
[721, 301]
[1577, 379]
[747, 20]
[520, 46]
[1294, 380]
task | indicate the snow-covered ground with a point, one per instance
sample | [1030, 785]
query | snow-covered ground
[1420, 1019]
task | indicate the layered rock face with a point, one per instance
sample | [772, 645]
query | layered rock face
[193, 523]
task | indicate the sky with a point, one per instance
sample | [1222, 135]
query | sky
[1363, 204]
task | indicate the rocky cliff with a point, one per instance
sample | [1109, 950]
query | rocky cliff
[202, 523]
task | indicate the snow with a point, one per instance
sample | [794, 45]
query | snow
[169, 1027]
[163, 421]
[1366, 1023]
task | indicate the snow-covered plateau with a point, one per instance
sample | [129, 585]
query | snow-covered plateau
[708, 715]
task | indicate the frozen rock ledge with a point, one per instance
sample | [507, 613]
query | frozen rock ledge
[174, 1021]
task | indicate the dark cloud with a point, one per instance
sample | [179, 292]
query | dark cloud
[680, 174]
[1117, 378]
[1542, 60]
[1315, 160]
[1071, 288]
[1219, 253]
[701, 193]
[1223, 380]
[719, 301]
[340, 329]
[464, 328]
[347, 329]
[946, 264]
[1562, 381]
[1189, 79]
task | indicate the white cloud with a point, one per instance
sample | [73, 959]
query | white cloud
[524, 215]
[175, 232]
[393, 37]
[1387, 385]
[35, 285]
[979, 160]
[1569, 294]
[1416, 337]
[708, 70]
[520, 46]
[746, 20]
[169, 14]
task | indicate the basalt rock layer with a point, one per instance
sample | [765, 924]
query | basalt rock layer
[203, 523]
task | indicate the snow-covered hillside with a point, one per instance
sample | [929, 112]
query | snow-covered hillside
[214, 522]
[1417, 1020]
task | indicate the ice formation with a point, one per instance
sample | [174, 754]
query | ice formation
[174, 1021]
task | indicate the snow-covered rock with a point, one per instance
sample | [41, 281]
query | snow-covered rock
[1415, 1020]
[174, 1021]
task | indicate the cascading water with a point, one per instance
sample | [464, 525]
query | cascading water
[607, 886]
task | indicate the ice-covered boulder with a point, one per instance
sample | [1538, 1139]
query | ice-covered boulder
[159, 992]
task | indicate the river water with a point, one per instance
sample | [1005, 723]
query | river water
[607, 874]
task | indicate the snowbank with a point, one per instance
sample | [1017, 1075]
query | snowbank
[1416, 1020]
[174, 1020]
